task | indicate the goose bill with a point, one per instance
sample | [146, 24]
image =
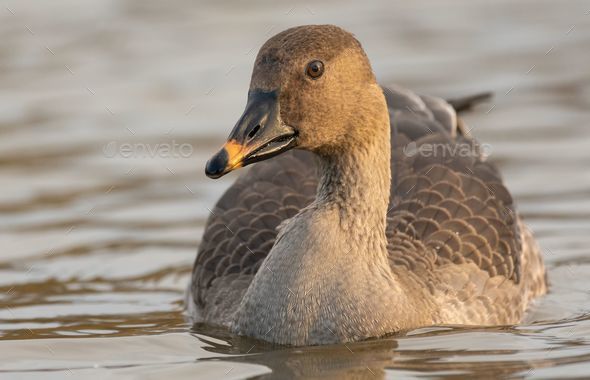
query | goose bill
[258, 135]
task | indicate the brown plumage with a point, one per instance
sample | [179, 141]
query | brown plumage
[455, 245]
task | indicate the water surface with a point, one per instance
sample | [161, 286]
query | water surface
[109, 109]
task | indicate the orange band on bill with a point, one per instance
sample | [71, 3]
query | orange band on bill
[235, 154]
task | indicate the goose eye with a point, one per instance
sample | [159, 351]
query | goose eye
[315, 69]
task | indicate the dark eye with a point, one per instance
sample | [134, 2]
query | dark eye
[315, 69]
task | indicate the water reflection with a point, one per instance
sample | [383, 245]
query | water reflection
[405, 355]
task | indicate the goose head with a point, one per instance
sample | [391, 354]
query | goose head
[307, 84]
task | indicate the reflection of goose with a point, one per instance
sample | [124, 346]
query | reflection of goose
[432, 352]
[384, 238]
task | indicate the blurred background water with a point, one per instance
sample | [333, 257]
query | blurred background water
[109, 110]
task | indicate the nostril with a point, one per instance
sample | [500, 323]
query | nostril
[254, 130]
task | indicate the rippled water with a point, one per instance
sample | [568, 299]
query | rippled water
[109, 109]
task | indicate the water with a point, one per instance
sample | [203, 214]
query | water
[109, 109]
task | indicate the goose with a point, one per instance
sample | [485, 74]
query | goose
[378, 212]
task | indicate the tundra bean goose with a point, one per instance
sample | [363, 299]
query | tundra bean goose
[385, 217]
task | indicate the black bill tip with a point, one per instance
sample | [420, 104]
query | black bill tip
[217, 165]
